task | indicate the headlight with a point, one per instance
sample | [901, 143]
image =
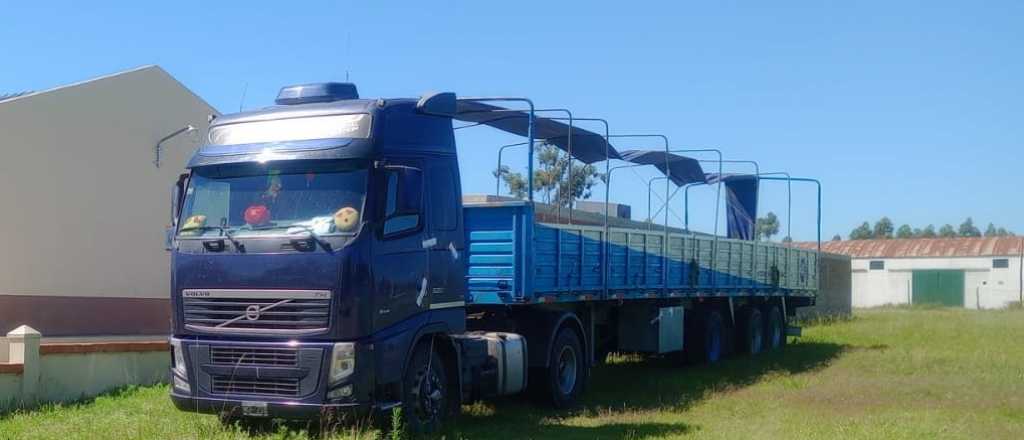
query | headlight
[343, 361]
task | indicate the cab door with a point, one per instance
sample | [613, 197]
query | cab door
[445, 241]
[401, 262]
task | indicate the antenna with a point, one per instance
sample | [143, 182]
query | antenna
[348, 53]
[241, 101]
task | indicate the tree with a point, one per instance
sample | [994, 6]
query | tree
[918, 233]
[862, 232]
[837, 237]
[766, 226]
[967, 229]
[550, 178]
[929, 232]
[787, 239]
[991, 231]
[514, 181]
[1002, 232]
[947, 231]
[883, 228]
[905, 232]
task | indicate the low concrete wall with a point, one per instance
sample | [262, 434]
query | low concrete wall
[65, 372]
[69, 377]
[10, 387]
[835, 292]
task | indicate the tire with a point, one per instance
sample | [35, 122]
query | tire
[568, 372]
[774, 328]
[751, 332]
[425, 400]
[706, 345]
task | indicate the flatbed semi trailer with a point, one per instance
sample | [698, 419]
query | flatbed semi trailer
[324, 261]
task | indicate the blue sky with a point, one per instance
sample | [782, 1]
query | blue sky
[906, 109]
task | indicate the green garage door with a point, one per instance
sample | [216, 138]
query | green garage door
[943, 287]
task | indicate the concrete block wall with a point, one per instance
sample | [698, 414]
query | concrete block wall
[835, 292]
[36, 373]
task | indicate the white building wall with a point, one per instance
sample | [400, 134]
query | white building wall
[984, 287]
[83, 205]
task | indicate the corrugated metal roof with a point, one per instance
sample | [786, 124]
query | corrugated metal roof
[923, 247]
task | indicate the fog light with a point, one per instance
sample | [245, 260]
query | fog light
[178, 357]
[341, 392]
[343, 361]
[181, 384]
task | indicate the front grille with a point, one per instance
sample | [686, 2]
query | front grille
[261, 356]
[284, 387]
[257, 311]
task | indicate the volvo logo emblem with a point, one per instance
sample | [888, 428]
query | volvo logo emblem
[252, 312]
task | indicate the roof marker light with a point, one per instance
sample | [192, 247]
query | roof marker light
[316, 92]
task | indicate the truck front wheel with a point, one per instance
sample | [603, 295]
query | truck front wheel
[425, 403]
[567, 371]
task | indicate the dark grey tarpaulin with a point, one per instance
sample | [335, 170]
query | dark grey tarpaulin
[587, 146]
[713, 178]
[740, 203]
[683, 169]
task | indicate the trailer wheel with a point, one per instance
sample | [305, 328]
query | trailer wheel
[568, 369]
[707, 341]
[425, 400]
[775, 328]
[751, 331]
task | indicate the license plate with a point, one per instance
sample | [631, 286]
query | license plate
[254, 409]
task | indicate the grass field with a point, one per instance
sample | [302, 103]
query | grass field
[891, 373]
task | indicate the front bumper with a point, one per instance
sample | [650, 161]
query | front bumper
[288, 410]
[211, 382]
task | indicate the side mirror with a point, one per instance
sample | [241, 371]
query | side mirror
[177, 193]
[176, 198]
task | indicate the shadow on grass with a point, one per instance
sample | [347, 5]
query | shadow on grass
[633, 384]
[617, 391]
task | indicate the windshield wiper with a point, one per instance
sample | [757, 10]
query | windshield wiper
[223, 232]
[309, 230]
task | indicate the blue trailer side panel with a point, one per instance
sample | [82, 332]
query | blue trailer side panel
[513, 259]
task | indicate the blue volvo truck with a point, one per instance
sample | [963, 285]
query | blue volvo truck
[324, 260]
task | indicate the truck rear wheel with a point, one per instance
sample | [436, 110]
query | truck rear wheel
[706, 342]
[751, 331]
[568, 369]
[775, 328]
[425, 401]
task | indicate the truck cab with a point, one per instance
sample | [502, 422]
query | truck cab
[309, 256]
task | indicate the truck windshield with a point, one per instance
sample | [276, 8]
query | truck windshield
[321, 197]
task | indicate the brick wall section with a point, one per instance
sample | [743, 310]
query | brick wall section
[86, 316]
